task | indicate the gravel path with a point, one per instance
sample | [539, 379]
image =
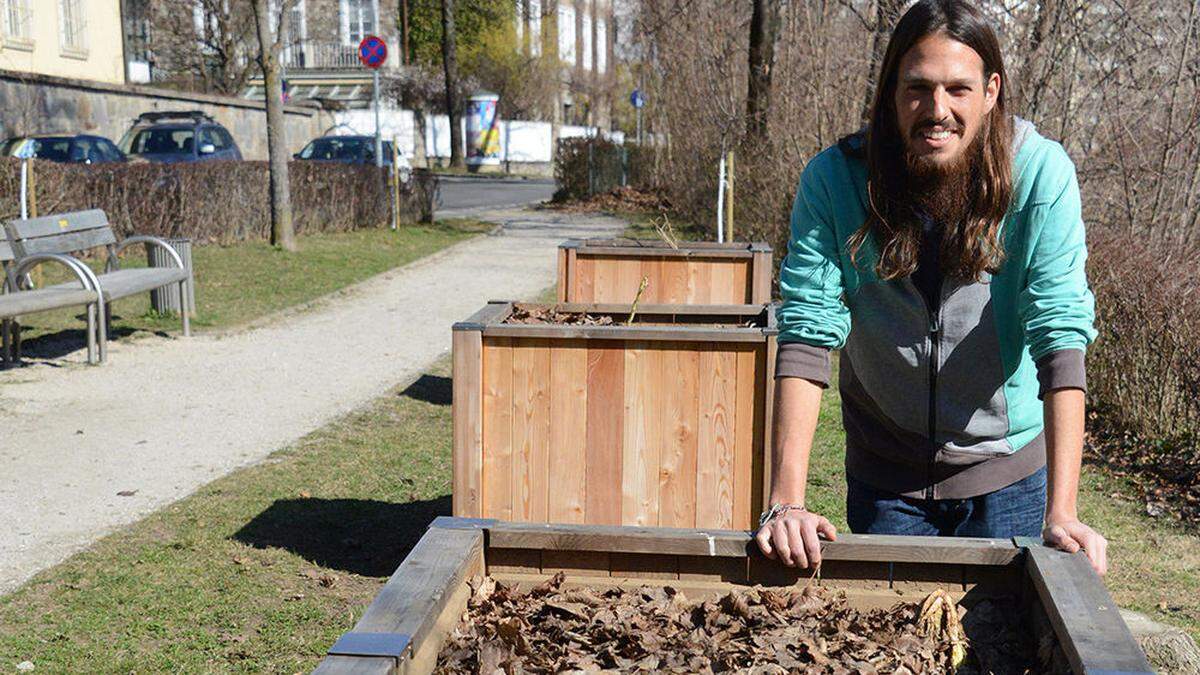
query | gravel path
[165, 416]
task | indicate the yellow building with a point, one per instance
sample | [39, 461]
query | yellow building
[65, 38]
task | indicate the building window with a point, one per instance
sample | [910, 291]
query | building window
[72, 26]
[357, 20]
[566, 34]
[601, 45]
[16, 22]
[587, 41]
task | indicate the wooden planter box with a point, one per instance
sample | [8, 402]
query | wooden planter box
[663, 422]
[405, 626]
[697, 273]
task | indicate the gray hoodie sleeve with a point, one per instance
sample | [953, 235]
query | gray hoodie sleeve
[796, 359]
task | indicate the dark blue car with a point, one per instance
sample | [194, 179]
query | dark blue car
[71, 149]
[179, 137]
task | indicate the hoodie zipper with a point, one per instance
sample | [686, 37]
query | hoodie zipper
[935, 329]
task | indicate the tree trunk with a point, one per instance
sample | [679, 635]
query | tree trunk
[283, 233]
[764, 31]
[450, 64]
[887, 13]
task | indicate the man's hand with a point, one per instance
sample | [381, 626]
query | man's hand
[791, 538]
[1070, 535]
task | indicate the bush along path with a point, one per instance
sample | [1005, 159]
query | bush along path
[89, 449]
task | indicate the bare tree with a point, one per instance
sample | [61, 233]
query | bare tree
[887, 13]
[204, 45]
[450, 66]
[271, 42]
[764, 31]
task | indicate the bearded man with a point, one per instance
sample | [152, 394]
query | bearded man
[941, 249]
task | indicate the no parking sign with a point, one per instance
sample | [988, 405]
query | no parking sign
[372, 51]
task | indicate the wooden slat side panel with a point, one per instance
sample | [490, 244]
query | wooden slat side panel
[759, 476]
[531, 429]
[761, 276]
[629, 277]
[723, 285]
[604, 280]
[644, 566]
[679, 429]
[674, 279]
[652, 272]
[715, 439]
[497, 428]
[768, 437]
[605, 432]
[568, 432]
[740, 289]
[642, 446]
[468, 423]
[584, 283]
[699, 282]
[562, 294]
[744, 437]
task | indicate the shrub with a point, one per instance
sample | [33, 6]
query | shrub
[587, 166]
[219, 202]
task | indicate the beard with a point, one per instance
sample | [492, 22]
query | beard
[943, 191]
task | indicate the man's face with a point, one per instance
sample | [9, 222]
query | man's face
[942, 100]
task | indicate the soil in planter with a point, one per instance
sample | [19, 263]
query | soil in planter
[551, 316]
[760, 630]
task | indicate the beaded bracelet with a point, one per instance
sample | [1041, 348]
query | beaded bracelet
[776, 510]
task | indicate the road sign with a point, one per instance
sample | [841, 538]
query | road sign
[637, 99]
[372, 51]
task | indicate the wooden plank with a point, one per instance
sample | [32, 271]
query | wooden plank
[715, 439]
[622, 332]
[530, 430]
[641, 450]
[605, 281]
[605, 432]
[768, 437]
[704, 568]
[681, 252]
[493, 312]
[744, 446]
[497, 428]
[736, 543]
[467, 402]
[59, 223]
[699, 282]
[511, 560]
[65, 243]
[761, 275]
[723, 281]
[571, 276]
[719, 313]
[674, 279]
[740, 289]
[1088, 623]
[562, 295]
[568, 433]
[415, 597]
[629, 277]
[585, 563]
[644, 566]
[652, 272]
[584, 286]
[680, 425]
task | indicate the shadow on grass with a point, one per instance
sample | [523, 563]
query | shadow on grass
[359, 536]
[431, 389]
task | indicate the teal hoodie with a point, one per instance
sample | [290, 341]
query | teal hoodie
[943, 405]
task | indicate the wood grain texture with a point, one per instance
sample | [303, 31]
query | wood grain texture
[761, 276]
[605, 432]
[744, 437]
[717, 397]
[568, 432]
[564, 282]
[760, 479]
[467, 413]
[679, 425]
[699, 283]
[768, 412]
[584, 283]
[641, 450]
[530, 429]
[497, 428]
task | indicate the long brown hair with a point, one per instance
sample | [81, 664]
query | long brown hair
[973, 246]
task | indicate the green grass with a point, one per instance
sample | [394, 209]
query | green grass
[263, 569]
[243, 282]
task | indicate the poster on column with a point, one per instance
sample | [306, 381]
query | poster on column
[483, 130]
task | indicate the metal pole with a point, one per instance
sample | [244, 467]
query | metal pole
[639, 125]
[721, 201]
[375, 94]
[24, 188]
[729, 199]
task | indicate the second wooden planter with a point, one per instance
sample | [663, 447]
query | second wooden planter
[695, 273]
[662, 422]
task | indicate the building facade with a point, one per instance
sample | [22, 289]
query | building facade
[582, 34]
[63, 38]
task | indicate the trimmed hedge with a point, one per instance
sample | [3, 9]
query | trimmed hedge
[217, 202]
[588, 166]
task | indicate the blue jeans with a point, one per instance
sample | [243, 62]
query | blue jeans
[1013, 511]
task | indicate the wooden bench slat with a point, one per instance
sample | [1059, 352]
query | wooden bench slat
[65, 243]
[44, 299]
[59, 223]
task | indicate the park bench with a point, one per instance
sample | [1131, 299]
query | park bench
[16, 301]
[63, 234]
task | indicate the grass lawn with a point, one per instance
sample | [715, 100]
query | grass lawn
[243, 282]
[263, 569]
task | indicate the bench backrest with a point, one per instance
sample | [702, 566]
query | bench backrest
[6, 252]
[60, 233]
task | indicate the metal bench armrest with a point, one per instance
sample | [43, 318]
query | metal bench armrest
[146, 239]
[84, 274]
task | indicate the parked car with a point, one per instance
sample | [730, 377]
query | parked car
[73, 149]
[352, 150]
[190, 136]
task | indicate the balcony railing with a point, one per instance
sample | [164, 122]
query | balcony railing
[318, 55]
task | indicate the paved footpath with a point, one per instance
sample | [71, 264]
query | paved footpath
[165, 416]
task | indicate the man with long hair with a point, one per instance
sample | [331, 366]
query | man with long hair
[942, 250]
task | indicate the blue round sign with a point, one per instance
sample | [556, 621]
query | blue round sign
[372, 51]
[637, 99]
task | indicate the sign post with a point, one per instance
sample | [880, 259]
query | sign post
[638, 101]
[372, 51]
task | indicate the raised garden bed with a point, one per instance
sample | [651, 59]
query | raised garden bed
[695, 273]
[662, 422]
[1069, 620]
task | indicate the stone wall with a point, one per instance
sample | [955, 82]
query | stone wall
[44, 104]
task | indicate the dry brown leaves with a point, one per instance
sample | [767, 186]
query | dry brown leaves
[617, 200]
[759, 630]
[549, 315]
